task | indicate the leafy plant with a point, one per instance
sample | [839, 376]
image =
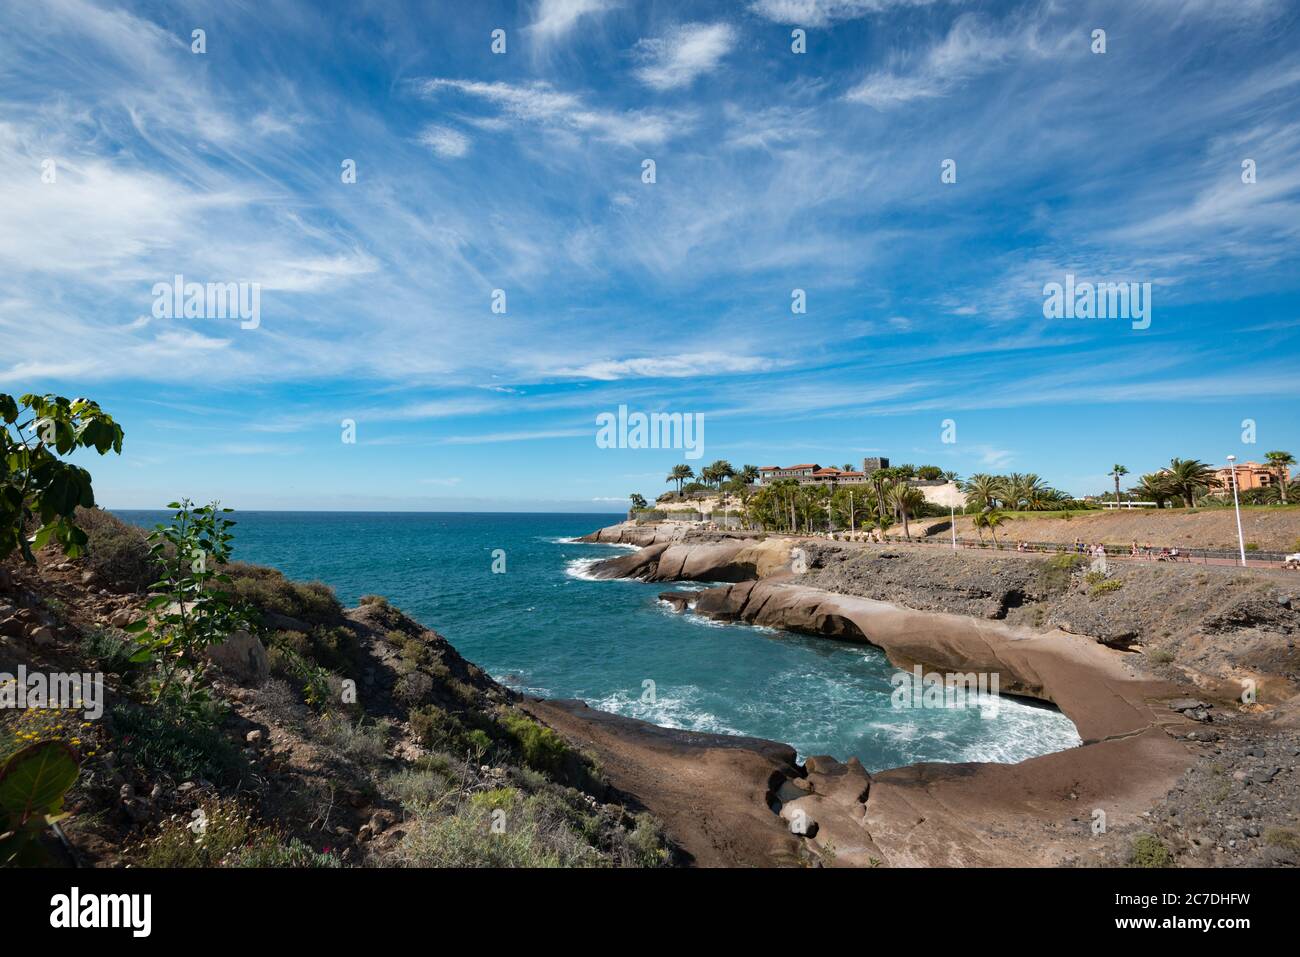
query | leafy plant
[193, 610]
[542, 749]
[184, 744]
[1149, 851]
[32, 785]
[34, 480]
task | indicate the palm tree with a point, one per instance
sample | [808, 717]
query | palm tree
[879, 479]
[680, 474]
[1154, 487]
[991, 519]
[719, 472]
[854, 507]
[908, 500]
[1115, 472]
[952, 476]
[748, 474]
[1190, 478]
[1281, 463]
[637, 500]
[983, 490]
[1268, 495]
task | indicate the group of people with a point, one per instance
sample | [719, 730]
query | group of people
[1135, 551]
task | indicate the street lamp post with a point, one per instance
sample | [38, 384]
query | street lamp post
[1236, 507]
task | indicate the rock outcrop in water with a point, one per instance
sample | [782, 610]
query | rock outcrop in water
[721, 561]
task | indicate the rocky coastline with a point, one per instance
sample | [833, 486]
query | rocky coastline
[1171, 754]
[1174, 765]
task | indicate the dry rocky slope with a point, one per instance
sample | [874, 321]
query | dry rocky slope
[408, 771]
[1150, 665]
[1271, 528]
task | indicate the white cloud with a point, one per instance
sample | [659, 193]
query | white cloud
[668, 367]
[557, 17]
[444, 141]
[542, 105]
[675, 59]
[820, 13]
[493, 437]
[972, 46]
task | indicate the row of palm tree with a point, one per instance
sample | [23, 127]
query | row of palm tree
[714, 476]
[1186, 479]
[1191, 480]
[786, 505]
[1025, 492]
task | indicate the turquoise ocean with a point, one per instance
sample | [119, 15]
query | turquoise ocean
[544, 628]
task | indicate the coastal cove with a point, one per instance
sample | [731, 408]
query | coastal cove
[545, 628]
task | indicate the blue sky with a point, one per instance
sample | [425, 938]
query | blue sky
[522, 172]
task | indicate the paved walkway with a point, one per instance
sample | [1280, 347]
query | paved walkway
[1042, 549]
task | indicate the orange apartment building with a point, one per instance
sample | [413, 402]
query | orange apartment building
[1249, 475]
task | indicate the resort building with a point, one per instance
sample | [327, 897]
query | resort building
[936, 491]
[809, 474]
[1249, 475]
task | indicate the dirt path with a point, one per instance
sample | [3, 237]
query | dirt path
[1272, 529]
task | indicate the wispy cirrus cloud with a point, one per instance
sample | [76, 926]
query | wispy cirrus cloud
[683, 54]
[519, 174]
[668, 366]
[820, 13]
[540, 104]
[555, 18]
[444, 141]
[972, 46]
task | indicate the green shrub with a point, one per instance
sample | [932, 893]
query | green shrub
[418, 785]
[1105, 587]
[647, 843]
[117, 552]
[191, 608]
[184, 745]
[311, 680]
[525, 836]
[1284, 837]
[111, 651]
[438, 730]
[223, 833]
[542, 749]
[1054, 573]
[277, 853]
[413, 688]
[267, 590]
[498, 799]
[1162, 656]
[1149, 851]
[359, 741]
[416, 651]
